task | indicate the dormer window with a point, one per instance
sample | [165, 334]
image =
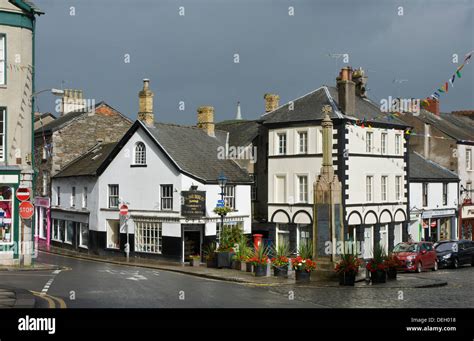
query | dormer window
[140, 154]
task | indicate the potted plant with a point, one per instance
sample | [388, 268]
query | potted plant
[242, 253]
[347, 269]
[259, 261]
[225, 251]
[195, 260]
[222, 210]
[210, 254]
[280, 261]
[377, 267]
[303, 263]
[392, 263]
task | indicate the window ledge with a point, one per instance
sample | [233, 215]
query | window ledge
[137, 166]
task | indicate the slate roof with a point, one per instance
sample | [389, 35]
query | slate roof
[309, 108]
[241, 132]
[196, 153]
[89, 163]
[65, 119]
[422, 169]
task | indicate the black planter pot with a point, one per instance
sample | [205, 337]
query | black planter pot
[280, 271]
[260, 270]
[379, 276]
[347, 278]
[236, 264]
[224, 259]
[249, 267]
[302, 276]
[211, 263]
[392, 273]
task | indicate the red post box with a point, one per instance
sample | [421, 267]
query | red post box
[257, 240]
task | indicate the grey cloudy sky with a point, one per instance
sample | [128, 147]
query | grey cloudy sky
[190, 58]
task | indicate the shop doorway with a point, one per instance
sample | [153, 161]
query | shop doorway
[193, 239]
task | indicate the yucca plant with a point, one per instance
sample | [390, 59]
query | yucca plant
[305, 250]
[280, 254]
[243, 251]
[210, 251]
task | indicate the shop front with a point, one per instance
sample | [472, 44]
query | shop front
[9, 221]
[439, 225]
[466, 220]
[70, 229]
[43, 222]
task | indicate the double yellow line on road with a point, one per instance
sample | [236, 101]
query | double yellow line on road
[53, 302]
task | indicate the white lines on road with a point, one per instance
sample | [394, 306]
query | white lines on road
[48, 284]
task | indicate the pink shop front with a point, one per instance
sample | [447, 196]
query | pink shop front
[43, 222]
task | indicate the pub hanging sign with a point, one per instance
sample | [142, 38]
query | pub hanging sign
[194, 204]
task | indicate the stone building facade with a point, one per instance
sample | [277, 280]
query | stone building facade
[71, 135]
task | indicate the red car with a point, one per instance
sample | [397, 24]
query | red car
[416, 256]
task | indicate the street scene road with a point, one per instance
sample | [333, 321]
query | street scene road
[82, 283]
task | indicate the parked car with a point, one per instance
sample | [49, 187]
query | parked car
[454, 253]
[416, 256]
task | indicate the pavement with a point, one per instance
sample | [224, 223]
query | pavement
[16, 298]
[232, 275]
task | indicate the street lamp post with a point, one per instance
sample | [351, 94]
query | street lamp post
[222, 181]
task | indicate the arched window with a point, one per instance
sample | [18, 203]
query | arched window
[140, 154]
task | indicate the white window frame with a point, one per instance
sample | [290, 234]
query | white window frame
[115, 196]
[3, 59]
[66, 223]
[398, 188]
[384, 188]
[148, 236]
[398, 144]
[140, 154]
[58, 195]
[302, 191]
[369, 142]
[3, 119]
[229, 196]
[282, 143]
[81, 241]
[369, 188]
[469, 159]
[73, 196]
[302, 142]
[383, 143]
[166, 201]
[84, 197]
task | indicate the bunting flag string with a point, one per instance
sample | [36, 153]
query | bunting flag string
[445, 87]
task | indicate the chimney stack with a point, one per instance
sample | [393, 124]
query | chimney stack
[145, 104]
[205, 119]
[272, 101]
[433, 106]
[360, 80]
[72, 100]
[346, 91]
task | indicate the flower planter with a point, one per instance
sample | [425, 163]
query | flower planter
[302, 276]
[195, 262]
[211, 263]
[347, 278]
[236, 264]
[280, 271]
[379, 276]
[243, 266]
[392, 273]
[224, 259]
[249, 267]
[260, 270]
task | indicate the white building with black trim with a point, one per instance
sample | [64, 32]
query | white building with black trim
[156, 169]
[370, 158]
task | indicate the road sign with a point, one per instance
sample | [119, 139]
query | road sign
[23, 194]
[26, 210]
[220, 203]
[123, 210]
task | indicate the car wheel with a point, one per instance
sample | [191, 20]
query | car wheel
[418, 267]
[435, 266]
[455, 263]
